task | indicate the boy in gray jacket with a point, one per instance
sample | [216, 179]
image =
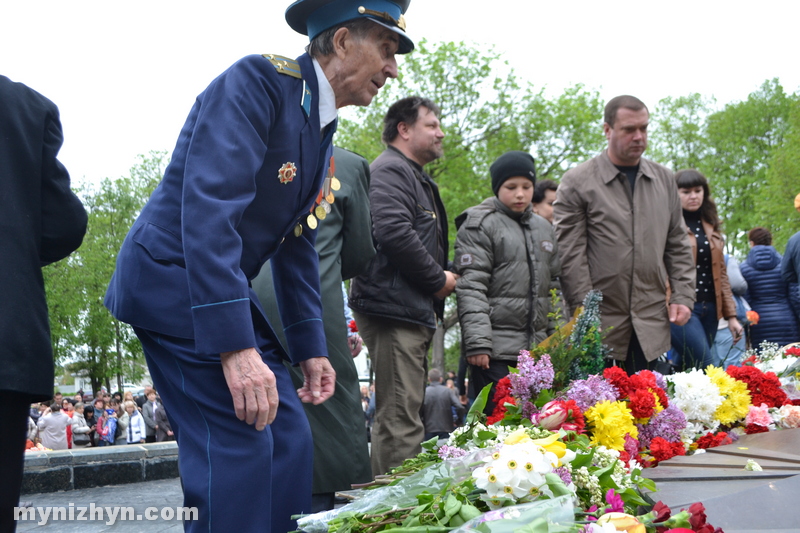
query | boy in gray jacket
[507, 257]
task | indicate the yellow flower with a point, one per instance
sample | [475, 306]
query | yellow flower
[622, 522]
[552, 444]
[610, 422]
[737, 397]
[520, 435]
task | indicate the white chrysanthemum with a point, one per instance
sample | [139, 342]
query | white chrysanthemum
[697, 396]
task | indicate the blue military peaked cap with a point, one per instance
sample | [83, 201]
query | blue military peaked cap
[312, 17]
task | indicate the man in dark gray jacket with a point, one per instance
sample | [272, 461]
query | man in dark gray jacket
[440, 407]
[397, 301]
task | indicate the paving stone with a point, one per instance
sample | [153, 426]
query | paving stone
[158, 449]
[60, 457]
[36, 459]
[107, 453]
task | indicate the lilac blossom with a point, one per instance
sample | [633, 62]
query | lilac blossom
[532, 377]
[661, 381]
[451, 452]
[564, 473]
[667, 424]
[590, 391]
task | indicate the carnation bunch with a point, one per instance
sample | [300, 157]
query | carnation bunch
[764, 387]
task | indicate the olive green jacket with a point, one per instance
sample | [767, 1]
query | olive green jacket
[344, 244]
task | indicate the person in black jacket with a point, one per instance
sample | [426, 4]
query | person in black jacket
[397, 301]
[42, 222]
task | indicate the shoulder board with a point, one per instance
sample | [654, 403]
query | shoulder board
[284, 65]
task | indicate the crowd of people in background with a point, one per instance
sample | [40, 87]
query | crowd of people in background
[101, 419]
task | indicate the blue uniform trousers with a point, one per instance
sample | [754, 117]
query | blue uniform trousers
[240, 479]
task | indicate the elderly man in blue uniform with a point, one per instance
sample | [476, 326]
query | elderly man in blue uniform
[243, 188]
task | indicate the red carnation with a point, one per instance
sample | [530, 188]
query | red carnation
[764, 387]
[710, 440]
[662, 449]
[617, 377]
[662, 511]
[502, 396]
[751, 429]
[353, 327]
[642, 403]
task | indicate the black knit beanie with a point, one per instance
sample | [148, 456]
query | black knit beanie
[511, 165]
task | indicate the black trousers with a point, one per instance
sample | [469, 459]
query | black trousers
[480, 377]
[14, 421]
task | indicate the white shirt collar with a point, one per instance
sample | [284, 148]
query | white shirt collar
[327, 99]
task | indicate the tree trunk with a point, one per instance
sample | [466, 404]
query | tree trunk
[437, 358]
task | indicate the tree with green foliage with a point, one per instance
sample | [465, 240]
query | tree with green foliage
[678, 138]
[485, 112]
[776, 198]
[84, 332]
[742, 138]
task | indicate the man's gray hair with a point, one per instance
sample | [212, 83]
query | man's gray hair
[322, 45]
[434, 374]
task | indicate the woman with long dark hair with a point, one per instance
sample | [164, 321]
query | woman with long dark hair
[692, 342]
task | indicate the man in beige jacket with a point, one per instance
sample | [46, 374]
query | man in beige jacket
[620, 230]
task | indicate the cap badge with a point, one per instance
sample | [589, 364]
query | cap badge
[287, 172]
[399, 22]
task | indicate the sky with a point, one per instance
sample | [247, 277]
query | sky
[125, 74]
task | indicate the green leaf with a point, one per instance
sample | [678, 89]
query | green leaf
[430, 445]
[476, 411]
[555, 483]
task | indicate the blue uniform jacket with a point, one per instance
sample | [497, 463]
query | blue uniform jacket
[221, 212]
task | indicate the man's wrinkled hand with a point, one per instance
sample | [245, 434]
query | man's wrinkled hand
[319, 380]
[355, 344]
[679, 314]
[252, 385]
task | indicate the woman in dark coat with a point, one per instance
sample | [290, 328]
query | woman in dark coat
[768, 293]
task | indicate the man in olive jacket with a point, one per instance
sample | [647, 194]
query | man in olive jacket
[397, 301]
[620, 230]
[344, 243]
[41, 221]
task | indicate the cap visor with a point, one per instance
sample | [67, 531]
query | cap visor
[406, 45]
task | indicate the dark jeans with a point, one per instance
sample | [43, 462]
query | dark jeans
[691, 343]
